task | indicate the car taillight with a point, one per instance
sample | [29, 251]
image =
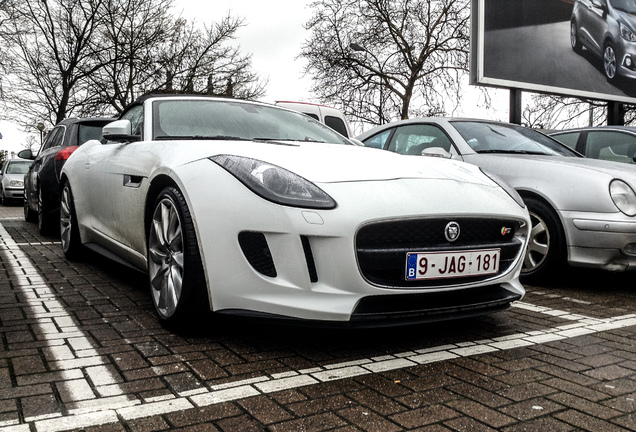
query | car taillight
[65, 153]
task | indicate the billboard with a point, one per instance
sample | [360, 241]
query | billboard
[581, 48]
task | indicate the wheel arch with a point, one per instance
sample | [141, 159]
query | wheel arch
[530, 194]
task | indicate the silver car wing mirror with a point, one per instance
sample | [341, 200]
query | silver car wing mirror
[436, 152]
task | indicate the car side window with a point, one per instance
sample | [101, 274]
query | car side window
[136, 117]
[569, 139]
[414, 139]
[379, 140]
[613, 146]
[54, 139]
[336, 124]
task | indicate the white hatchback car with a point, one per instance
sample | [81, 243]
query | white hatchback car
[12, 180]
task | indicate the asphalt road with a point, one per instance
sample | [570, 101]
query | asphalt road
[80, 349]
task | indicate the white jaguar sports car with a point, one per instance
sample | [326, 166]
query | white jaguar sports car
[247, 208]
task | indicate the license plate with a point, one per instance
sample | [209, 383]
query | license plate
[437, 265]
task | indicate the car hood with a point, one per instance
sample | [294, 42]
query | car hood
[317, 162]
[557, 163]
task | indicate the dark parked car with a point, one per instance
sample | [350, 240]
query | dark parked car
[613, 143]
[42, 181]
[12, 180]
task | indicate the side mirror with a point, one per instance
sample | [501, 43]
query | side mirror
[119, 131]
[26, 154]
[436, 152]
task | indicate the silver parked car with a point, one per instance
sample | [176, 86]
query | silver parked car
[614, 143]
[582, 210]
[12, 180]
[608, 29]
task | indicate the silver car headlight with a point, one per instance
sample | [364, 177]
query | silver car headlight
[505, 186]
[626, 33]
[16, 183]
[274, 183]
[623, 196]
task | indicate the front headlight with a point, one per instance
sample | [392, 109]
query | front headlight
[16, 183]
[505, 186]
[623, 196]
[626, 33]
[274, 183]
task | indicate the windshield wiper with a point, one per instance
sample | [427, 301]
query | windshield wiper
[201, 138]
[514, 152]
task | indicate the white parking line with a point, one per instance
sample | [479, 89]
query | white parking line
[71, 353]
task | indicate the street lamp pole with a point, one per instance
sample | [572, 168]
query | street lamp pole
[40, 127]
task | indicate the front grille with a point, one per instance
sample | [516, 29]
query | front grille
[382, 247]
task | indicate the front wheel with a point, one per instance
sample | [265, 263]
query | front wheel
[69, 228]
[546, 246]
[29, 215]
[177, 282]
[46, 224]
[609, 61]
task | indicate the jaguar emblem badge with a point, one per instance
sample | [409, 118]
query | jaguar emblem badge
[452, 231]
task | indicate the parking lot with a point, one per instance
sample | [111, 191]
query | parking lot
[80, 349]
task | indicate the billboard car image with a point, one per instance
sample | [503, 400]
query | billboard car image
[528, 45]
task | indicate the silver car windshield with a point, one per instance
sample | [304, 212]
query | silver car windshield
[628, 6]
[484, 137]
[20, 167]
[213, 119]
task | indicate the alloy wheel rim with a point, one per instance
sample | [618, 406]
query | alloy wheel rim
[166, 258]
[538, 245]
[609, 61]
[40, 216]
[573, 35]
[65, 218]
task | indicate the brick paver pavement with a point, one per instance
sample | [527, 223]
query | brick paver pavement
[80, 349]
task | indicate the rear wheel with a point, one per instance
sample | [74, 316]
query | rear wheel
[574, 38]
[546, 246]
[69, 229]
[177, 282]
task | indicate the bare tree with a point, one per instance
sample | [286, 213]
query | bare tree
[49, 57]
[94, 57]
[376, 58]
[559, 112]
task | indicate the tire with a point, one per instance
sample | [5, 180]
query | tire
[546, 253]
[46, 224]
[29, 215]
[609, 61]
[3, 200]
[574, 38]
[69, 228]
[177, 283]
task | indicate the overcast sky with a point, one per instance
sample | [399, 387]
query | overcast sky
[273, 34]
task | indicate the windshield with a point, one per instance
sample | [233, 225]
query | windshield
[484, 137]
[628, 6]
[232, 119]
[20, 167]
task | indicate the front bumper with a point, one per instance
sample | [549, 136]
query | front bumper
[605, 241]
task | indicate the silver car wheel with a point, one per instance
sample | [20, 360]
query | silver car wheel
[66, 218]
[166, 258]
[609, 62]
[538, 244]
